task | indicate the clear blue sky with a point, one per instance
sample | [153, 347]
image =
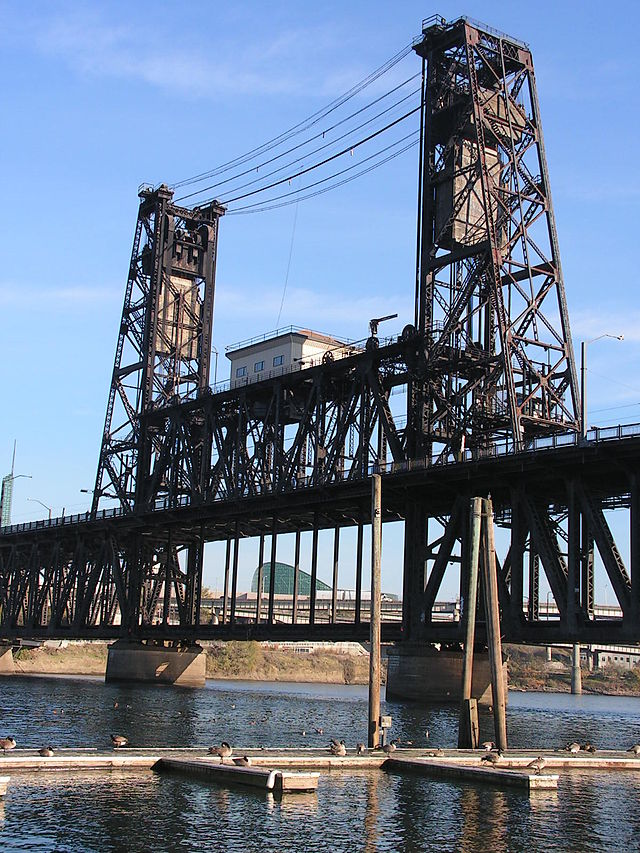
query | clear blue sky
[99, 97]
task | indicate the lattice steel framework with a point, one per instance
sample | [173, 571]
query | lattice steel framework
[486, 367]
[164, 341]
[489, 285]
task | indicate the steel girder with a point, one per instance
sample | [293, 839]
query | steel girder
[489, 274]
[163, 350]
[141, 575]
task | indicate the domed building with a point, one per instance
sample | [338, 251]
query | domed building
[284, 578]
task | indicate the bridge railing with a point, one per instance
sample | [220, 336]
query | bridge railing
[595, 435]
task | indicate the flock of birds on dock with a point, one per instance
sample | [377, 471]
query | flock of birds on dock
[492, 756]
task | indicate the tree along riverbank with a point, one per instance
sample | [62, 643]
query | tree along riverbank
[232, 660]
[527, 665]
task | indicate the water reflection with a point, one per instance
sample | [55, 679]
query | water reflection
[363, 810]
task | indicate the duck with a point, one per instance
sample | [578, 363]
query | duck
[119, 740]
[388, 748]
[589, 747]
[223, 751]
[361, 749]
[435, 753]
[573, 748]
[245, 761]
[635, 749]
[488, 745]
[319, 731]
[7, 743]
[47, 752]
[492, 757]
[338, 748]
[537, 764]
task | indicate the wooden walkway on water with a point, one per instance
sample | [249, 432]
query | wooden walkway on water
[291, 771]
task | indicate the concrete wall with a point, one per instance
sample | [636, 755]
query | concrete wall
[428, 675]
[7, 666]
[129, 661]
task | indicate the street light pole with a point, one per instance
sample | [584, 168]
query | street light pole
[215, 369]
[583, 378]
[36, 501]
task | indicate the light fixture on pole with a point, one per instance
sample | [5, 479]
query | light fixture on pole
[36, 501]
[583, 378]
[102, 494]
[215, 368]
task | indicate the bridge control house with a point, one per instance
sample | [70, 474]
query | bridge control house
[283, 351]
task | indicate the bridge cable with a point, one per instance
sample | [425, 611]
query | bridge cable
[303, 125]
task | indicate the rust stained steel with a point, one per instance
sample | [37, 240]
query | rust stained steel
[487, 366]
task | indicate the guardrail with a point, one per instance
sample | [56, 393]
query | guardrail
[596, 435]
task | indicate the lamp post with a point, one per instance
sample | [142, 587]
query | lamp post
[36, 501]
[215, 368]
[583, 378]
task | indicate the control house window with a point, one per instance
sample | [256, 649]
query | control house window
[241, 371]
[278, 360]
[258, 366]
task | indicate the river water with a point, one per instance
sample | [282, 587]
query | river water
[358, 811]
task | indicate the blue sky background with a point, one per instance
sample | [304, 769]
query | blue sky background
[100, 97]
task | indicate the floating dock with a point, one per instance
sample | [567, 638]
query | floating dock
[279, 781]
[291, 771]
[443, 769]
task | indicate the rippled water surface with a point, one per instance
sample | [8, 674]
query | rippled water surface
[368, 810]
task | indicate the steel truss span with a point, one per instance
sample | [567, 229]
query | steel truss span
[457, 406]
[140, 575]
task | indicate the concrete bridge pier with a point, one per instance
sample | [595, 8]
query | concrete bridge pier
[428, 675]
[576, 671]
[7, 665]
[157, 663]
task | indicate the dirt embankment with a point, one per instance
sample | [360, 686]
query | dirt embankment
[69, 659]
[529, 670]
[234, 660]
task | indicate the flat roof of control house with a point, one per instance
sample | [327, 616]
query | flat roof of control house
[286, 332]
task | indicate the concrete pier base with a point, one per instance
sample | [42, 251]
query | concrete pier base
[428, 675]
[576, 671]
[159, 664]
[7, 665]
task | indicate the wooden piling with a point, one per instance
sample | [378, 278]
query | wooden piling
[468, 731]
[492, 608]
[374, 622]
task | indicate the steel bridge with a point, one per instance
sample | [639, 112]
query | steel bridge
[478, 395]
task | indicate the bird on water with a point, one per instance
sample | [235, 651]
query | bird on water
[537, 764]
[119, 740]
[223, 751]
[7, 743]
[47, 752]
[338, 748]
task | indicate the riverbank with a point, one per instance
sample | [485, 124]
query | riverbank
[231, 660]
[529, 671]
[528, 668]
